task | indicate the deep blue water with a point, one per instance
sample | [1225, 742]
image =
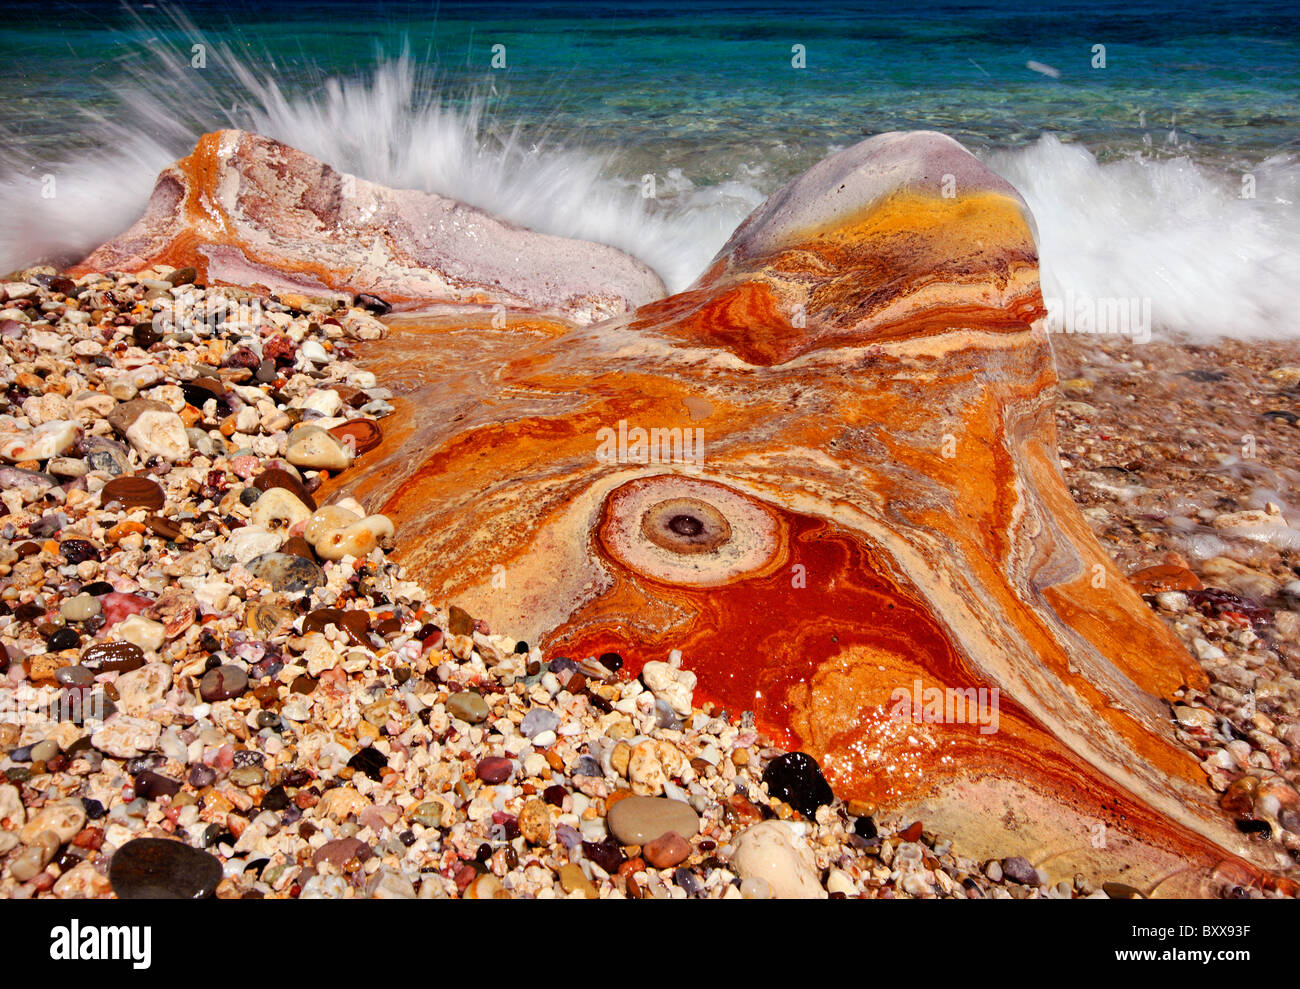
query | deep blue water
[1223, 75]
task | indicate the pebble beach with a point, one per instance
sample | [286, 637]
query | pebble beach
[219, 681]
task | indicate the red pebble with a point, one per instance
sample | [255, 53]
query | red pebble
[118, 606]
[279, 348]
[495, 769]
[225, 760]
[666, 850]
[92, 838]
[464, 876]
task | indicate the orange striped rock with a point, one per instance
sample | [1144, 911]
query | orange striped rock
[827, 472]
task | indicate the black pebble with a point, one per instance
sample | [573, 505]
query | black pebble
[373, 303]
[275, 799]
[64, 638]
[797, 779]
[151, 786]
[371, 762]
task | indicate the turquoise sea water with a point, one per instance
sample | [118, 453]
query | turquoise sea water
[1135, 130]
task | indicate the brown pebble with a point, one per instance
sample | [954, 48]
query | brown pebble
[112, 657]
[387, 628]
[302, 684]
[459, 621]
[277, 478]
[163, 528]
[365, 432]
[134, 492]
[297, 546]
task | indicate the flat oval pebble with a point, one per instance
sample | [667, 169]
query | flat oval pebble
[638, 820]
[286, 572]
[222, 683]
[468, 705]
[161, 869]
[110, 657]
[134, 492]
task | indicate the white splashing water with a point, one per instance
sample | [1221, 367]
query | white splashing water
[1178, 233]
[391, 127]
[1211, 262]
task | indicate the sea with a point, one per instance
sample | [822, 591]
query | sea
[1157, 144]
